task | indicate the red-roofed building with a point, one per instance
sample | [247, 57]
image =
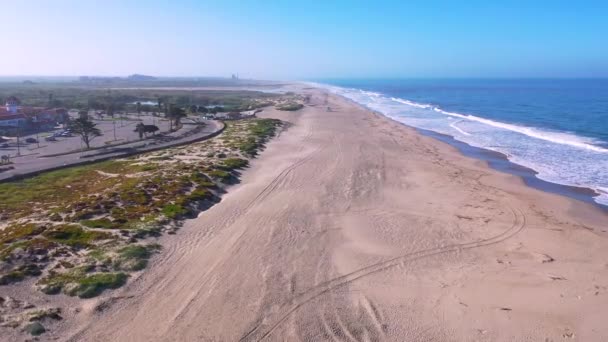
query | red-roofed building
[48, 115]
[13, 115]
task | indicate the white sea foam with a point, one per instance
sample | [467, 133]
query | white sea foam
[558, 157]
[371, 93]
[554, 137]
[603, 197]
[454, 126]
[410, 103]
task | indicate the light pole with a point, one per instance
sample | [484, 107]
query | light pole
[37, 127]
[18, 136]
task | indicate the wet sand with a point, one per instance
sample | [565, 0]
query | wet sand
[352, 227]
[500, 162]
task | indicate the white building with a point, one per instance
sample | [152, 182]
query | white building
[12, 104]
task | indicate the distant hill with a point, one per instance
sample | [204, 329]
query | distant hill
[106, 79]
[138, 77]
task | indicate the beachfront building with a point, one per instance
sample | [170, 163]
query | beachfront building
[46, 116]
[9, 116]
[12, 104]
[12, 121]
[13, 116]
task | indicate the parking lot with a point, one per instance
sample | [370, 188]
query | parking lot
[57, 153]
[114, 131]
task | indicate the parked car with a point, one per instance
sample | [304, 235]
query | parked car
[31, 140]
[51, 138]
[66, 134]
[5, 145]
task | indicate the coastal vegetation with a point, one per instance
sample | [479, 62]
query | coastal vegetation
[290, 106]
[83, 230]
[76, 96]
[80, 231]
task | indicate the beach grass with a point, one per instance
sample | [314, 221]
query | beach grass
[290, 106]
[98, 211]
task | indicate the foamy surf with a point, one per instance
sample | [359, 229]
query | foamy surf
[557, 157]
[454, 125]
[554, 137]
[410, 103]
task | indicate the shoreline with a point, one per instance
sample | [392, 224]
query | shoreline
[498, 161]
[393, 233]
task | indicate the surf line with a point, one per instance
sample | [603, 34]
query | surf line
[453, 125]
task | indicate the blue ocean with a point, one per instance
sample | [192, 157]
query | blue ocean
[558, 128]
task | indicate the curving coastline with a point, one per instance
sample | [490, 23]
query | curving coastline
[392, 236]
[565, 159]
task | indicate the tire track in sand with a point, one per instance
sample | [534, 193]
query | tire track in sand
[262, 331]
[230, 219]
[179, 250]
[264, 193]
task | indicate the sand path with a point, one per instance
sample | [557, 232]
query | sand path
[351, 227]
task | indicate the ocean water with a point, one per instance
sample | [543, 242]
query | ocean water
[558, 128]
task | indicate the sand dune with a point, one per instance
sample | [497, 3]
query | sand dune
[351, 227]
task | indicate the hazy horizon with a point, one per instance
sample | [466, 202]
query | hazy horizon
[305, 79]
[313, 40]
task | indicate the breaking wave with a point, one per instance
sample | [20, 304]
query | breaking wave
[554, 137]
[558, 157]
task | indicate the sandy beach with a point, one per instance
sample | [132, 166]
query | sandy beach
[352, 227]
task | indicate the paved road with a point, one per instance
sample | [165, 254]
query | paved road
[113, 132]
[36, 162]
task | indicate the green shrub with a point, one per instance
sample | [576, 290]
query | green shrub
[74, 236]
[78, 282]
[134, 257]
[290, 106]
[11, 277]
[233, 163]
[18, 231]
[19, 273]
[35, 329]
[199, 195]
[174, 211]
[249, 147]
[220, 174]
[100, 223]
[94, 284]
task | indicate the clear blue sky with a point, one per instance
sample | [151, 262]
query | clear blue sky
[306, 39]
